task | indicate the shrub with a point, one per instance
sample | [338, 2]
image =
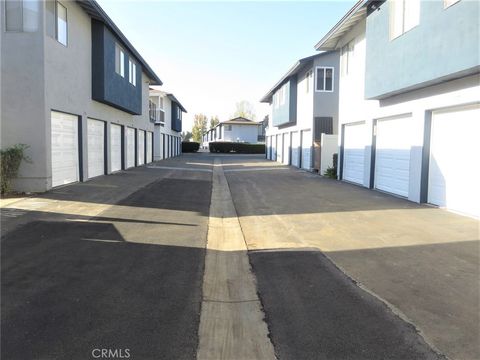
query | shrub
[331, 172]
[239, 148]
[10, 160]
[190, 146]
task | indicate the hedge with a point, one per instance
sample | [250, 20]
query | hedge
[10, 160]
[239, 148]
[190, 146]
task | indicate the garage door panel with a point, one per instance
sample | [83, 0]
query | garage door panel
[355, 141]
[392, 157]
[141, 148]
[64, 141]
[306, 149]
[130, 147]
[454, 174]
[286, 148]
[96, 147]
[115, 147]
[295, 149]
[149, 146]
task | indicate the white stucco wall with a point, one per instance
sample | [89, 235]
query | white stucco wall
[417, 105]
[241, 133]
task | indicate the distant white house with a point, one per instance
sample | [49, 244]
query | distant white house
[235, 130]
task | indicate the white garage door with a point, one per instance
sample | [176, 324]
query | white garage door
[355, 140]
[268, 144]
[295, 149]
[149, 146]
[286, 148]
[392, 158]
[64, 132]
[279, 148]
[115, 147]
[454, 174]
[130, 147]
[274, 147]
[306, 149]
[96, 147]
[141, 147]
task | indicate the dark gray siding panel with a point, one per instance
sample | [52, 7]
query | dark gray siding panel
[323, 125]
[107, 86]
[176, 120]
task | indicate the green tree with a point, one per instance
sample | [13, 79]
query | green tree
[214, 121]
[244, 109]
[186, 136]
[199, 127]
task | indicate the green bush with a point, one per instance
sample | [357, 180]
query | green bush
[331, 172]
[190, 146]
[10, 160]
[239, 148]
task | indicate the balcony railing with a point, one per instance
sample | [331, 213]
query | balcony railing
[157, 116]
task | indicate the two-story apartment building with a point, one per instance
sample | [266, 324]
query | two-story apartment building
[409, 114]
[238, 129]
[166, 113]
[304, 113]
[74, 90]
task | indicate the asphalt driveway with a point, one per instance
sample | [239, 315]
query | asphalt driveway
[421, 262]
[92, 268]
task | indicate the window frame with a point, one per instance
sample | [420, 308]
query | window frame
[324, 68]
[132, 72]
[120, 70]
[21, 27]
[393, 12]
[449, 3]
[308, 76]
[57, 3]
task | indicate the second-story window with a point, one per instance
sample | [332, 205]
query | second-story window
[324, 79]
[228, 127]
[308, 80]
[404, 16]
[119, 60]
[21, 16]
[132, 72]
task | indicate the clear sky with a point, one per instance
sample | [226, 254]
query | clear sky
[214, 54]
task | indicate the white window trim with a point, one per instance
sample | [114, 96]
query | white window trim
[56, 23]
[132, 72]
[391, 19]
[448, 3]
[121, 59]
[325, 78]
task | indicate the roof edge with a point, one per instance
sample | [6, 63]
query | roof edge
[339, 24]
[109, 22]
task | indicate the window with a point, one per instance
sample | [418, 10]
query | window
[61, 24]
[308, 80]
[346, 57]
[21, 16]
[324, 79]
[404, 16]
[228, 127]
[119, 60]
[448, 3]
[161, 103]
[132, 72]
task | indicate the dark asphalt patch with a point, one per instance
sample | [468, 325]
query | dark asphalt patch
[315, 312]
